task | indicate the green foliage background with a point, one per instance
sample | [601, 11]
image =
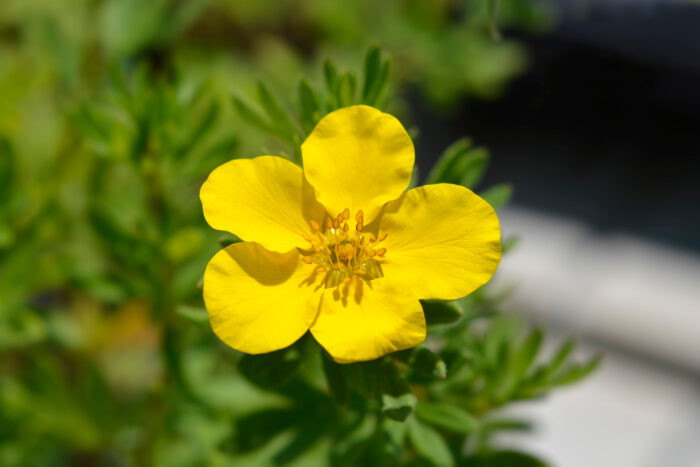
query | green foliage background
[112, 113]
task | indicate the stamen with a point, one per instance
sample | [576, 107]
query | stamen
[342, 255]
[383, 237]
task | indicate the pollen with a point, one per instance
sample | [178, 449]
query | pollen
[343, 253]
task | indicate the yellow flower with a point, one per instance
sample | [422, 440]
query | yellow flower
[341, 248]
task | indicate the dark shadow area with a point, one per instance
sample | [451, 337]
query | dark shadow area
[604, 130]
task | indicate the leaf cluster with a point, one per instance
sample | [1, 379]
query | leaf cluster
[291, 124]
[102, 245]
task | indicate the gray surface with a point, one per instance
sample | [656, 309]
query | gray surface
[639, 304]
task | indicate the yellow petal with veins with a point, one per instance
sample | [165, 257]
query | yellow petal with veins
[258, 300]
[366, 320]
[265, 200]
[443, 241]
[358, 158]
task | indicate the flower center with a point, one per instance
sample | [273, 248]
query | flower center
[343, 253]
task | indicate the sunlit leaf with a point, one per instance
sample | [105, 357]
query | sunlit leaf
[278, 116]
[346, 89]
[429, 444]
[447, 416]
[577, 373]
[194, 314]
[251, 116]
[498, 195]
[310, 106]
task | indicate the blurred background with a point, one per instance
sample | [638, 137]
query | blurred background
[588, 108]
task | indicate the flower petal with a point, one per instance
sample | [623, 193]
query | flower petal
[264, 199]
[254, 298]
[368, 320]
[443, 241]
[358, 158]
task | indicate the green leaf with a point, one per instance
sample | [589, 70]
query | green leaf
[577, 373]
[398, 407]
[373, 63]
[336, 377]
[441, 311]
[7, 236]
[349, 448]
[330, 75]
[194, 314]
[200, 129]
[526, 354]
[310, 106]
[429, 444]
[279, 117]
[377, 97]
[251, 116]
[228, 239]
[415, 176]
[492, 19]
[271, 370]
[472, 167]
[395, 437]
[509, 244]
[497, 338]
[498, 196]
[447, 416]
[443, 169]
[7, 168]
[559, 358]
[426, 363]
[346, 89]
[503, 424]
[517, 365]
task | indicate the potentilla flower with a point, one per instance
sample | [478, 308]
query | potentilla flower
[341, 248]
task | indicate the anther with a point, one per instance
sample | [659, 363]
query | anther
[341, 256]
